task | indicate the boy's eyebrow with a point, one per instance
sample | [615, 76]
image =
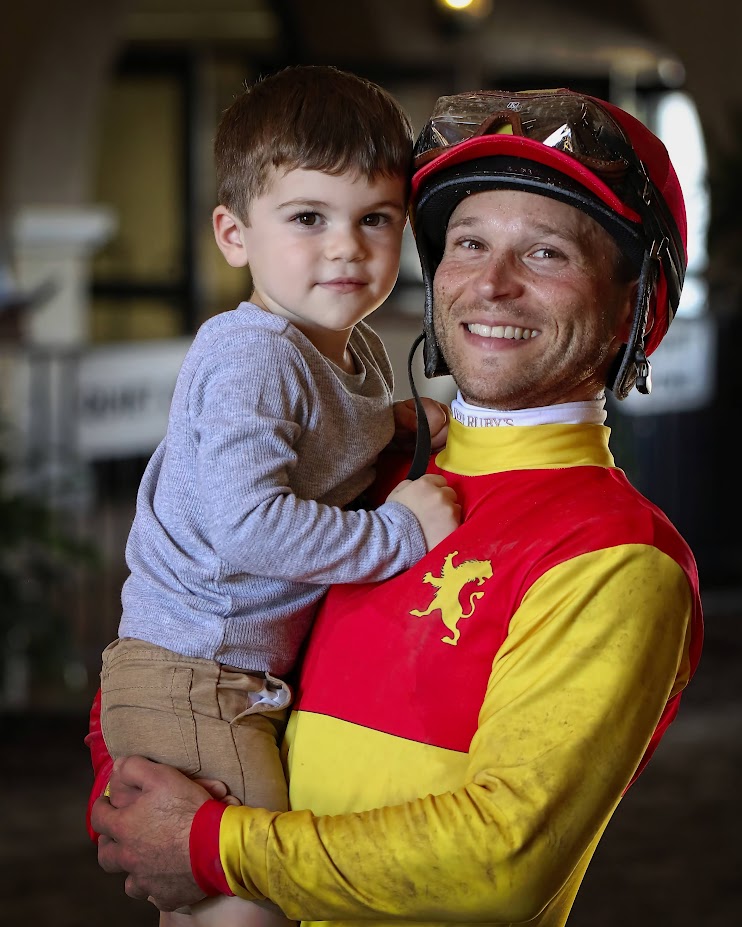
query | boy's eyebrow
[307, 202]
[388, 204]
[303, 201]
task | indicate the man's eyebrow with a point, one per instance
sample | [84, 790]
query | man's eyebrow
[559, 231]
[538, 228]
[462, 222]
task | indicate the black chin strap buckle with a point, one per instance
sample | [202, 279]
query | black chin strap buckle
[643, 372]
[422, 444]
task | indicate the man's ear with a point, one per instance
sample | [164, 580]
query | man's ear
[229, 238]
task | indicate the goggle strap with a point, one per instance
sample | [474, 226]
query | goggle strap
[423, 446]
[663, 236]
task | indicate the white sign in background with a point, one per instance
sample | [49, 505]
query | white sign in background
[683, 370]
[124, 394]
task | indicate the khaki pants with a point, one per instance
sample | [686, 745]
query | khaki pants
[195, 715]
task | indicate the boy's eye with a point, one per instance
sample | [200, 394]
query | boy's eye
[373, 219]
[306, 218]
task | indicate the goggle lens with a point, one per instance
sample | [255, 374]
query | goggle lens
[567, 122]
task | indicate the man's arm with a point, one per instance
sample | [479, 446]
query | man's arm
[573, 699]
[595, 651]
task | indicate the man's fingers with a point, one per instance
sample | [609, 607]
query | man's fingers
[133, 775]
[218, 790]
[108, 855]
[135, 772]
[101, 820]
[133, 891]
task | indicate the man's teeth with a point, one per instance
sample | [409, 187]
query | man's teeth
[502, 331]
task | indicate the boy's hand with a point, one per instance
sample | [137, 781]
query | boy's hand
[432, 501]
[405, 421]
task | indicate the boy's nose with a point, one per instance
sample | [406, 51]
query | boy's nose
[345, 244]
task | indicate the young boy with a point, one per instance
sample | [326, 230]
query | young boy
[244, 514]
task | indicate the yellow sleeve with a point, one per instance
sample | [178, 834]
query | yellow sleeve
[592, 655]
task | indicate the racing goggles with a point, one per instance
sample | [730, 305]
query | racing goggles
[559, 119]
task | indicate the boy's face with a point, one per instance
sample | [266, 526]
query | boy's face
[323, 250]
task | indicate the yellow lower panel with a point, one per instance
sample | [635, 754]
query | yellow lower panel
[341, 767]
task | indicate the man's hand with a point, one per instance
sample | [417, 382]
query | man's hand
[405, 422]
[145, 824]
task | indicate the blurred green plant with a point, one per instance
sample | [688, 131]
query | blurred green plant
[39, 559]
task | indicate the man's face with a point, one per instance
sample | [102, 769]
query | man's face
[528, 308]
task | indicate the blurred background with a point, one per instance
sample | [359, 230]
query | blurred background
[108, 267]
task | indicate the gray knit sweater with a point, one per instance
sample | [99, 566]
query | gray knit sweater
[239, 525]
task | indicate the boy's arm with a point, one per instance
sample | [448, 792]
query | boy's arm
[247, 437]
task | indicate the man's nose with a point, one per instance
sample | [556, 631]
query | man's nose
[498, 278]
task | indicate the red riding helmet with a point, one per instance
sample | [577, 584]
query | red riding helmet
[574, 148]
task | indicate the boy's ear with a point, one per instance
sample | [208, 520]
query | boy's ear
[228, 235]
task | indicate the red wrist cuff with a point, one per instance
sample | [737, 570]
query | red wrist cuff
[101, 761]
[206, 863]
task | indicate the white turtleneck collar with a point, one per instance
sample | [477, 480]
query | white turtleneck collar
[567, 413]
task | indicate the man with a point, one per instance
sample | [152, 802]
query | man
[463, 732]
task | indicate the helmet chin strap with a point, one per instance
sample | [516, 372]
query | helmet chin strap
[631, 364]
[422, 443]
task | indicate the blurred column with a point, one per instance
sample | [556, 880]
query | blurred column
[57, 62]
[53, 247]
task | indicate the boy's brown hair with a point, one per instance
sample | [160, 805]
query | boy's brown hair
[310, 116]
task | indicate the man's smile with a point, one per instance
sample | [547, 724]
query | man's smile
[509, 332]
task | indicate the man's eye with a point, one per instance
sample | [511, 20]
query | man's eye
[546, 253]
[461, 244]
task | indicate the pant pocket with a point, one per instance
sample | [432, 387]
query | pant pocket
[146, 709]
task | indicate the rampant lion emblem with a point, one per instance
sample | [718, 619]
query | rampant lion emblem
[449, 585]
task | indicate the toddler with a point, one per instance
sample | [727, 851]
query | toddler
[246, 511]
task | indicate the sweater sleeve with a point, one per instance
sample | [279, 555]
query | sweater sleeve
[593, 654]
[248, 422]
